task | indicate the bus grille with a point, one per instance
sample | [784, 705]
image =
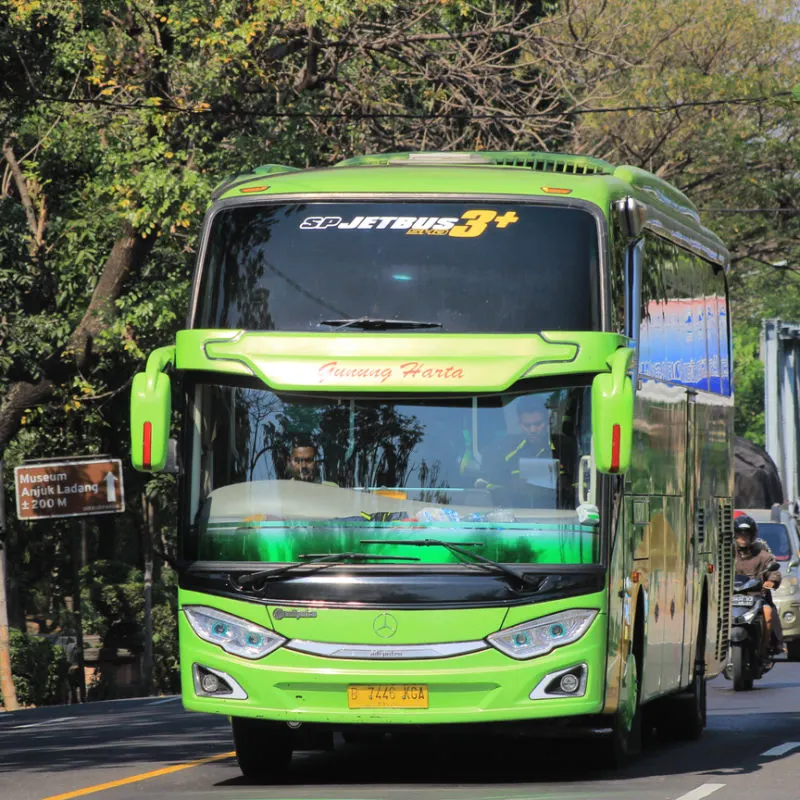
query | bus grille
[554, 164]
[700, 527]
[725, 575]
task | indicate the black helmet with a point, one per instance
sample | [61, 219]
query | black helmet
[745, 525]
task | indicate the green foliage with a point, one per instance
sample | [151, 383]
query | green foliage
[112, 604]
[166, 675]
[39, 669]
[749, 385]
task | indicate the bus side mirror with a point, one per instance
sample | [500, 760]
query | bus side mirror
[612, 415]
[632, 215]
[151, 409]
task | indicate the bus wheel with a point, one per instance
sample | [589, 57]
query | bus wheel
[624, 742]
[683, 716]
[263, 749]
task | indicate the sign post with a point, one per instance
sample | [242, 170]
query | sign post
[77, 562]
[6, 677]
[77, 487]
[74, 488]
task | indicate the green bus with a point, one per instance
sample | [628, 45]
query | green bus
[455, 453]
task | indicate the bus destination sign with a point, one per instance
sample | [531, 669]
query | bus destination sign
[69, 489]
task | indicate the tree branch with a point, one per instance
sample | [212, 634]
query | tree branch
[36, 224]
[129, 250]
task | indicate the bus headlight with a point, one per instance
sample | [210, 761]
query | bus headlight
[539, 636]
[234, 635]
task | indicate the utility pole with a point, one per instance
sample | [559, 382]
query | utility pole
[780, 352]
[148, 532]
[6, 678]
[78, 548]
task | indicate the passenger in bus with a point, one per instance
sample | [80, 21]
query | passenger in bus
[303, 463]
[506, 463]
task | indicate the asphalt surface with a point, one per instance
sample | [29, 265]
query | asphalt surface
[152, 748]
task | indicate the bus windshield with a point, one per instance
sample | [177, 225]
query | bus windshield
[287, 477]
[457, 267]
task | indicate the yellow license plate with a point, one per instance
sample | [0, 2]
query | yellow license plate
[414, 695]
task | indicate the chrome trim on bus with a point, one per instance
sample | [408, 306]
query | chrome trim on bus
[540, 690]
[236, 693]
[686, 237]
[385, 652]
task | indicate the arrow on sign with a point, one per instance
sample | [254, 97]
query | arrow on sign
[111, 487]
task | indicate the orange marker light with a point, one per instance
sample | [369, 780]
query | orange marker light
[555, 190]
[251, 189]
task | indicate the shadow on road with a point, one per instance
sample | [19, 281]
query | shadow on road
[143, 735]
[731, 745]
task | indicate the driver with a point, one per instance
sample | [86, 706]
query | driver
[755, 561]
[303, 464]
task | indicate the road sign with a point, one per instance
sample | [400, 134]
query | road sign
[69, 489]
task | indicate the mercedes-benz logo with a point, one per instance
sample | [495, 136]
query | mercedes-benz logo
[385, 626]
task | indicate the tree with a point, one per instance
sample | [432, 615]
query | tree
[701, 93]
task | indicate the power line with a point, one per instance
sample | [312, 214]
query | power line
[749, 210]
[171, 108]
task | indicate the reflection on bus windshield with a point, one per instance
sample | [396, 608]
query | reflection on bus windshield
[504, 451]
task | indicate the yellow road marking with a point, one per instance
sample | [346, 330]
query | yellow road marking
[101, 787]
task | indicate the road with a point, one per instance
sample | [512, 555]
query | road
[151, 748]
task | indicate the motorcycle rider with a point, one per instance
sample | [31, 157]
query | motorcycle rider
[755, 560]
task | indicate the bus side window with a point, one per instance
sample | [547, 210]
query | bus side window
[619, 246]
[652, 361]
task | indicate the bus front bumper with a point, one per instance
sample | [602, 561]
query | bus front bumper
[481, 687]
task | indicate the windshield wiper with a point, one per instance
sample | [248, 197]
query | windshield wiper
[376, 324]
[460, 548]
[308, 559]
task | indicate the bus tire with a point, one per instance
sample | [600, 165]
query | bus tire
[624, 743]
[263, 749]
[683, 716]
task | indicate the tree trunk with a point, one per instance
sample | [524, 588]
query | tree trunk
[6, 678]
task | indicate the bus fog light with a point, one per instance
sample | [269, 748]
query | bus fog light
[569, 683]
[210, 682]
[789, 617]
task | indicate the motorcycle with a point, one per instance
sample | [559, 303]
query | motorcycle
[748, 629]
